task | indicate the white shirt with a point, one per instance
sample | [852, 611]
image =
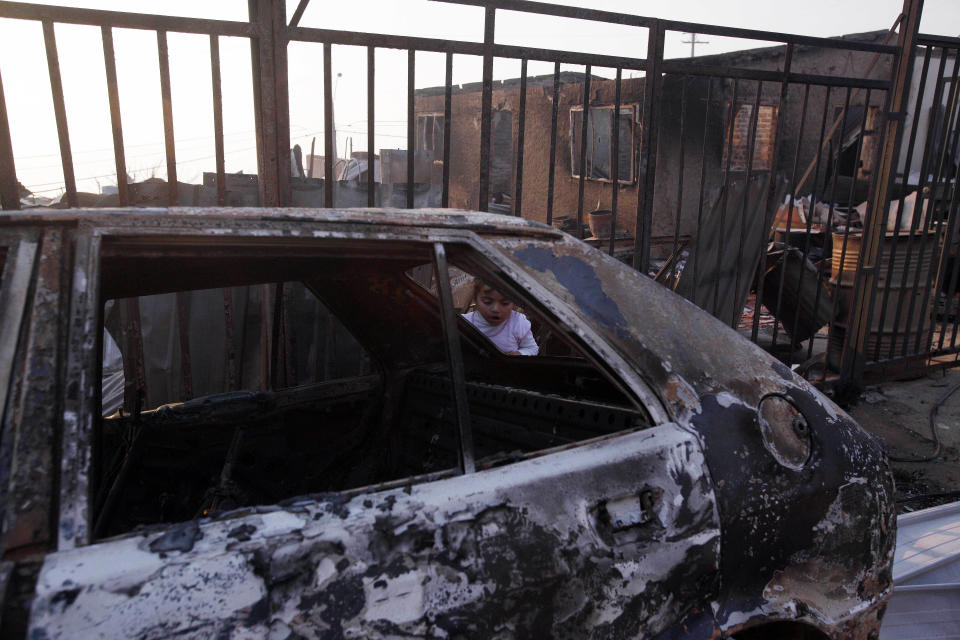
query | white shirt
[513, 334]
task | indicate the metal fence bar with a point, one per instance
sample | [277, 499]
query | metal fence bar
[912, 237]
[703, 180]
[298, 12]
[550, 9]
[584, 132]
[411, 123]
[832, 335]
[60, 112]
[791, 191]
[861, 310]
[908, 164]
[931, 164]
[805, 254]
[552, 168]
[648, 148]
[615, 173]
[951, 290]
[329, 152]
[686, 68]
[682, 156]
[371, 130]
[952, 131]
[216, 86]
[113, 95]
[170, 147]
[751, 150]
[521, 125]
[949, 308]
[9, 187]
[447, 116]
[273, 148]
[279, 45]
[771, 205]
[851, 353]
[123, 19]
[486, 106]
[388, 41]
[813, 200]
[728, 144]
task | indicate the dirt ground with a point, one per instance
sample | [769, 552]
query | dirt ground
[899, 413]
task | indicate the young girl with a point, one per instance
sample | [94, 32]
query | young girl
[496, 318]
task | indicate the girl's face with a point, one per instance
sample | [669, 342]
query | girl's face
[492, 305]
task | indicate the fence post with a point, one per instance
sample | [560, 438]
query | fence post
[486, 107]
[271, 101]
[854, 356]
[648, 148]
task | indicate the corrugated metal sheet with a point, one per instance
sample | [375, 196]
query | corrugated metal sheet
[926, 575]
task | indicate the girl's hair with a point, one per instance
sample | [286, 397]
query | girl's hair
[478, 285]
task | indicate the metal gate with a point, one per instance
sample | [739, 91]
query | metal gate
[702, 162]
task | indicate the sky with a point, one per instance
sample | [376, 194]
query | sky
[27, 90]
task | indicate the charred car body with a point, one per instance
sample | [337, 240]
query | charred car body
[649, 474]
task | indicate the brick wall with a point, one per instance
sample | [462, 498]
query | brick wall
[739, 146]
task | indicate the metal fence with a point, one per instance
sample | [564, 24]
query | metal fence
[913, 303]
[720, 152]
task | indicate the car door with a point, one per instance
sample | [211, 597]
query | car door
[610, 535]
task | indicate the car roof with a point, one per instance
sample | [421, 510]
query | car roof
[434, 218]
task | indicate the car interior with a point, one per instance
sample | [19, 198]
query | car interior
[258, 374]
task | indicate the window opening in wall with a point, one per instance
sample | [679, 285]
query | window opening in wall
[858, 121]
[501, 161]
[742, 129]
[430, 132]
[599, 156]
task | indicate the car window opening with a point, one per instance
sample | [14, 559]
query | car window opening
[332, 379]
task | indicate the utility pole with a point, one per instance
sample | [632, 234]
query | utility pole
[693, 42]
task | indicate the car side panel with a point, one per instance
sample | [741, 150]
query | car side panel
[614, 538]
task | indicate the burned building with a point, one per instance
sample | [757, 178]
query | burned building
[708, 123]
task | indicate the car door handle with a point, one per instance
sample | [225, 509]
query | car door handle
[625, 512]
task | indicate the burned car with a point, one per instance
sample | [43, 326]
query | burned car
[312, 443]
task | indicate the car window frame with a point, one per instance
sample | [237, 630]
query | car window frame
[609, 361]
[81, 408]
[22, 249]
